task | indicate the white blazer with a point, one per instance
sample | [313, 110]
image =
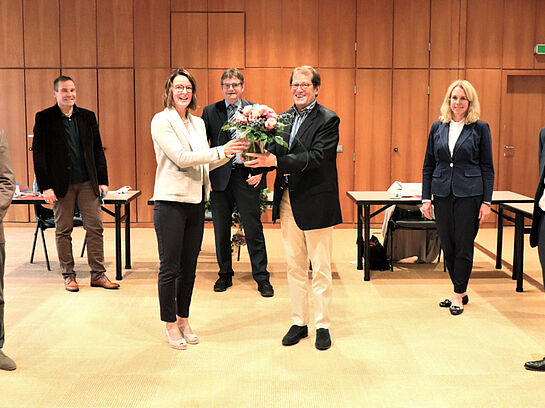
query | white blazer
[183, 159]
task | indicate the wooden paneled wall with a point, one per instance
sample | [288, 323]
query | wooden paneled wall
[385, 66]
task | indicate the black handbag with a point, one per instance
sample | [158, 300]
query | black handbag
[378, 259]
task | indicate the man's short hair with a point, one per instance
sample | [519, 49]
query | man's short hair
[62, 78]
[307, 69]
[232, 73]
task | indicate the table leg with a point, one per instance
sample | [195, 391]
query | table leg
[519, 250]
[515, 249]
[127, 236]
[118, 270]
[359, 239]
[367, 223]
[499, 241]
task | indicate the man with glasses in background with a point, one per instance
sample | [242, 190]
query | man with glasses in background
[71, 170]
[306, 199]
[235, 184]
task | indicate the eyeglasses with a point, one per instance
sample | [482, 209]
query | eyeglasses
[234, 86]
[461, 99]
[181, 88]
[303, 86]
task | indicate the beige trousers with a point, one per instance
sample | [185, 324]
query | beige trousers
[302, 246]
[89, 206]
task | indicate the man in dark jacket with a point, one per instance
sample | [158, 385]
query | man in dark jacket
[306, 200]
[71, 170]
[537, 236]
[235, 184]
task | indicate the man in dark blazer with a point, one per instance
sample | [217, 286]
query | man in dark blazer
[306, 200]
[235, 184]
[70, 169]
[7, 187]
[537, 235]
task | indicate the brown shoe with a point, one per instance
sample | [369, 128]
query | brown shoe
[104, 282]
[70, 284]
[6, 363]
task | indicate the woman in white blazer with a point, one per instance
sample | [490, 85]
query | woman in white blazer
[184, 159]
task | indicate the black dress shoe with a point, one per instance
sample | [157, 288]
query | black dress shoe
[223, 283]
[535, 365]
[323, 340]
[447, 302]
[265, 288]
[294, 334]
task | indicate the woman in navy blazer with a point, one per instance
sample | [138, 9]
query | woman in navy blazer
[459, 173]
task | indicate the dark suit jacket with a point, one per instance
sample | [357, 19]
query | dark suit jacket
[538, 212]
[214, 117]
[311, 167]
[50, 150]
[7, 182]
[470, 170]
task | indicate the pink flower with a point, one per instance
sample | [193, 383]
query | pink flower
[239, 118]
[270, 123]
[255, 113]
[271, 114]
[246, 110]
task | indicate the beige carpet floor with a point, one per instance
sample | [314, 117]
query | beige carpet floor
[392, 345]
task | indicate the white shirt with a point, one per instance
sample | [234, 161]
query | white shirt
[453, 134]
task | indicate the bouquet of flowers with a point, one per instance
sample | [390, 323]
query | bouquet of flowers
[260, 125]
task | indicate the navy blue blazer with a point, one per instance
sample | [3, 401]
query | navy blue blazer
[214, 117]
[311, 166]
[538, 212]
[470, 170]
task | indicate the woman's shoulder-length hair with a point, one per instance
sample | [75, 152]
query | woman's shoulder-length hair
[474, 109]
[168, 102]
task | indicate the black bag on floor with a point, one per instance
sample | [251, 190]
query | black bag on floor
[377, 253]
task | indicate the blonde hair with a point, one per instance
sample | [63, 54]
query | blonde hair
[474, 108]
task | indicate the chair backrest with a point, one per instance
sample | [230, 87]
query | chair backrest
[45, 217]
[410, 217]
[407, 214]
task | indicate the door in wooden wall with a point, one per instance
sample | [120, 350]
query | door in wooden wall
[523, 115]
[409, 124]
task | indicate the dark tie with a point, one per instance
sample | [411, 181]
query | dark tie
[231, 110]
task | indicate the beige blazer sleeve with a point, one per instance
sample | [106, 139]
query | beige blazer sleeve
[7, 181]
[171, 137]
[183, 158]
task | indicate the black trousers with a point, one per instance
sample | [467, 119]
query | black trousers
[179, 228]
[246, 198]
[457, 225]
[541, 245]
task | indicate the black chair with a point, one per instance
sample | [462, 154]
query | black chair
[409, 219]
[45, 219]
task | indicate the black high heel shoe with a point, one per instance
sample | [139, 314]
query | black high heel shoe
[448, 303]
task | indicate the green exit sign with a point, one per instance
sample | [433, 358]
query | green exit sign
[539, 49]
